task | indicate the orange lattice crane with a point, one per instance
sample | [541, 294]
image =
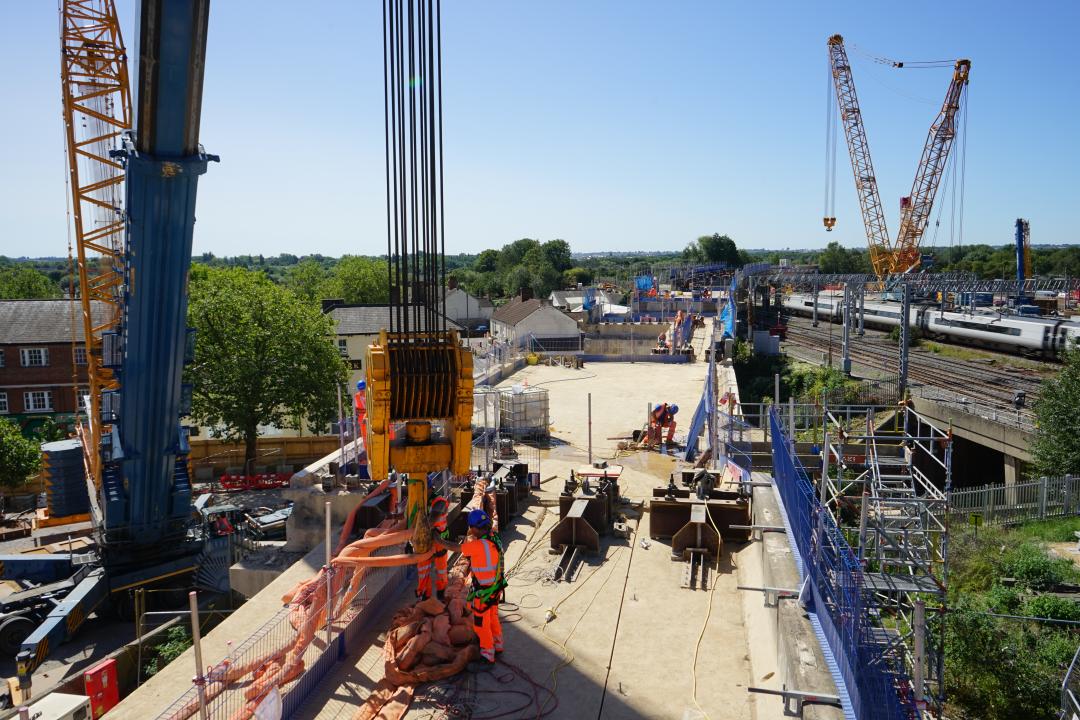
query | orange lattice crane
[885, 257]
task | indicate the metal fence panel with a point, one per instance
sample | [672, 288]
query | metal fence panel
[876, 682]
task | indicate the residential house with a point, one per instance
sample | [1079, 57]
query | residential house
[357, 326]
[42, 355]
[534, 324]
[466, 310]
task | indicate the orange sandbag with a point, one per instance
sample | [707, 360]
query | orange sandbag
[458, 610]
[431, 606]
[440, 629]
[402, 634]
[425, 674]
[462, 634]
[386, 702]
[436, 653]
[410, 654]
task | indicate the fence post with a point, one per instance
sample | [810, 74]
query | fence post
[1042, 498]
[1067, 500]
[987, 508]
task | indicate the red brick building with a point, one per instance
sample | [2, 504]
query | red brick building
[41, 360]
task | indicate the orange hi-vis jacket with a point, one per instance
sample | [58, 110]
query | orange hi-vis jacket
[484, 560]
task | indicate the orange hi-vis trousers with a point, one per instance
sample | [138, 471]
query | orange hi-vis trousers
[487, 626]
[423, 575]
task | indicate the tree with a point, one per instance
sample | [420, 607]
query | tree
[358, 280]
[262, 357]
[19, 457]
[487, 261]
[543, 276]
[558, 254]
[576, 275]
[1056, 448]
[835, 259]
[22, 282]
[714, 248]
[513, 253]
[306, 279]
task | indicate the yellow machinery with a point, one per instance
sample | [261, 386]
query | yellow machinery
[423, 380]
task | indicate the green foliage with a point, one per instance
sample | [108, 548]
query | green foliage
[1053, 530]
[262, 356]
[357, 279]
[576, 275]
[22, 282]
[1052, 606]
[1033, 568]
[714, 248]
[1056, 447]
[19, 457]
[1004, 599]
[177, 640]
[835, 258]
[307, 278]
[48, 430]
[914, 336]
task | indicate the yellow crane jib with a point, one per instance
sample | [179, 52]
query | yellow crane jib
[423, 380]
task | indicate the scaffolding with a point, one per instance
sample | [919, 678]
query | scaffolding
[888, 491]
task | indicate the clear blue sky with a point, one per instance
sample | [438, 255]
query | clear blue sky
[614, 124]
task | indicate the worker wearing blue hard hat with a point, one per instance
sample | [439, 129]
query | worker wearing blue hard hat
[484, 551]
[663, 416]
[360, 403]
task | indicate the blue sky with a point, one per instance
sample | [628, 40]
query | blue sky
[614, 124]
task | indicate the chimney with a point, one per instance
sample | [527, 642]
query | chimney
[525, 293]
[328, 305]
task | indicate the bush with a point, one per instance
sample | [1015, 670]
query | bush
[1052, 606]
[1002, 599]
[177, 640]
[1034, 569]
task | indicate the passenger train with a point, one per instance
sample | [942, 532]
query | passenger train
[1043, 337]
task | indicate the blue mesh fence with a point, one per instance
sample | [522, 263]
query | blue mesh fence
[875, 679]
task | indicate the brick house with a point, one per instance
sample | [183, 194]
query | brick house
[39, 360]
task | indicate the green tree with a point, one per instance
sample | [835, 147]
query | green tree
[306, 279]
[837, 259]
[22, 282]
[19, 457]
[714, 248]
[543, 276]
[576, 275]
[262, 357]
[1056, 448]
[358, 280]
[558, 254]
[487, 261]
[512, 254]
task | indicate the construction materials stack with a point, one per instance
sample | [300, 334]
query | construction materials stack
[65, 479]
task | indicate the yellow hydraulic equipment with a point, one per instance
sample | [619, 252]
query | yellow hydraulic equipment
[885, 257]
[424, 382]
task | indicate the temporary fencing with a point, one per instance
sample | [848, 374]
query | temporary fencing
[851, 618]
[1001, 504]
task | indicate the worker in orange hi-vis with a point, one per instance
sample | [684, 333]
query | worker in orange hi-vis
[437, 514]
[663, 416]
[484, 551]
[360, 402]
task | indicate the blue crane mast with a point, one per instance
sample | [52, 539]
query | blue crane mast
[138, 479]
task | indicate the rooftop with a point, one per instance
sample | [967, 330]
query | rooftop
[516, 310]
[370, 319]
[44, 321]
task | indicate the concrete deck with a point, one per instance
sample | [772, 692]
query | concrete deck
[623, 642]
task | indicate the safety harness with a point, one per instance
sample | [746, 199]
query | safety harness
[490, 594]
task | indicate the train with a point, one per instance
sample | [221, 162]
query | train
[1032, 336]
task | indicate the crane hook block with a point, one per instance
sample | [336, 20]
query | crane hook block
[423, 380]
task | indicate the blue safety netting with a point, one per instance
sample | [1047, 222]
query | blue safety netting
[644, 283]
[875, 679]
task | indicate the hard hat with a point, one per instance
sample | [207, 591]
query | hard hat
[479, 519]
[361, 385]
[674, 409]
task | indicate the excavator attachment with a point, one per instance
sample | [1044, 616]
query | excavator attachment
[423, 380]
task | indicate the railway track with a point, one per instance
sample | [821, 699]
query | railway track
[876, 353]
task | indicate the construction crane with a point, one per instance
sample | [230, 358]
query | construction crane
[903, 256]
[133, 197]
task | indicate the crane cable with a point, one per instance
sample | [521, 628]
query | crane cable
[902, 64]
